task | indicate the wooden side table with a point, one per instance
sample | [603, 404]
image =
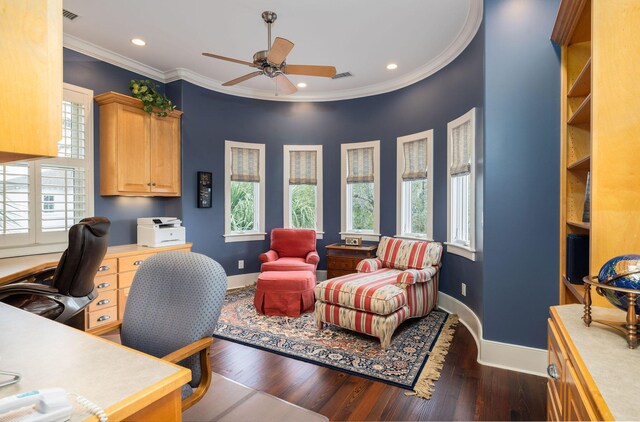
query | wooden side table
[342, 259]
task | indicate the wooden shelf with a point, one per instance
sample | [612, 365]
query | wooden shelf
[582, 86]
[582, 114]
[582, 164]
[580, 225]
[577, 290]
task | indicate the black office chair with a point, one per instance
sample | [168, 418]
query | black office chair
[60, 293]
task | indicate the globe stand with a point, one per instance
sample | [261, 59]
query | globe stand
[629, 329]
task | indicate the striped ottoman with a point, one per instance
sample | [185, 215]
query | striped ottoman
[285, 293]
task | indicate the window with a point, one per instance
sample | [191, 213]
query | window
[41, 199]
[244, 192]
[361, 190]
[303, 187]
[461, 185]
[415, 186]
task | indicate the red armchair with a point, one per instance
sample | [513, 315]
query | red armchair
[291, 250]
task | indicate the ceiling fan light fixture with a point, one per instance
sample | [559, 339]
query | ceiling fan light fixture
[392, 66]
[138, 41]
[302, 85]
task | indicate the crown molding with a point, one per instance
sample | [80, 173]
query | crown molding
[463, 39]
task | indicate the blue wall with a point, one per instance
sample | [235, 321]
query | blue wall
[522, 161]
[99, 76]
[210, 118]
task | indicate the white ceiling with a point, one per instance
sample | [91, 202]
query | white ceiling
[359, 36]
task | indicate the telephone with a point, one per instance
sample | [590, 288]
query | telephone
[48, 405]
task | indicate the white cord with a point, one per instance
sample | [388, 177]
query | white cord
[91, 406]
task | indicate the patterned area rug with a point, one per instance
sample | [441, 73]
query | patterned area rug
[413, 360]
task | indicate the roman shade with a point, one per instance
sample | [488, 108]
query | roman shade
[245, 164]
[461, 149]
[360, 165]
[415, 160]
[303, 167]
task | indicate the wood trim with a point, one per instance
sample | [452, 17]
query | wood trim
[566, 20]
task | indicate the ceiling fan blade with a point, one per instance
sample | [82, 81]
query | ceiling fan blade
[229, 59]
[279, 50]
[243, 78]
[284, 85]
[310, 70]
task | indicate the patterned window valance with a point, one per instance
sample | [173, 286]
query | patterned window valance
[360, 165]
[415, 160]
[303, 168]
[245, 164]
[461, 150]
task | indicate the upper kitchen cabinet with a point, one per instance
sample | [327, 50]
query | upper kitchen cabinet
[139, 152]
[30, 78]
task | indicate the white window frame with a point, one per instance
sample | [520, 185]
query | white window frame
[468, 252]
[259, 232]
[402, 214]
[37, 242]
[286, 205]
[374, 235]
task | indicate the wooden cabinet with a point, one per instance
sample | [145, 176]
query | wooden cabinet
[600, 126]
[30, 78]
[113, 282]
[343, 259]
[592, 372]
[139, 152]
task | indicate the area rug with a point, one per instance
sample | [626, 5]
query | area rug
[413, 360]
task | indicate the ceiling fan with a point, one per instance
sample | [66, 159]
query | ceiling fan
[271, 62]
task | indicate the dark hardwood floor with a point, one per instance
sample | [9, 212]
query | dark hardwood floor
[466, 390]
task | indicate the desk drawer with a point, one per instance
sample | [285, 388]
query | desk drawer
[105, 299]
[132, 263]
[342, 263]
[125, 279]
[108, 267]
[102, 317]
[107, 282]
[123, 295]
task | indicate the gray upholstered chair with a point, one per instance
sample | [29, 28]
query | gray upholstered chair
[173, 307]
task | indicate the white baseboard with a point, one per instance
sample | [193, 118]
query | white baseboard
[241, 280]
[493, 353]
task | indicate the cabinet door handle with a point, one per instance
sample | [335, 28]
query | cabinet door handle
[552, 371]
[103, 285]
[104, 268]
[138, 262]
[104, 318]
[153, 184]
[103, 302]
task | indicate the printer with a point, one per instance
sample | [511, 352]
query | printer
[160, 231]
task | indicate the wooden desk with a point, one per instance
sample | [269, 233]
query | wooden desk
[125, 383]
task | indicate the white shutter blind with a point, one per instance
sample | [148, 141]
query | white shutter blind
[245, 164]
[415, 160]
[63, 197]
[72, 144]
[14, 196]
[303, 168]
[360, 165]
[461, 150]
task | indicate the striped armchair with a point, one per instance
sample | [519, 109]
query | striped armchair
[400, 283]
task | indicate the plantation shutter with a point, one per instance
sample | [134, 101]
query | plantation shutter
[415, 160]
[461, 150]
[245, 164]
[14, 199]
[63, 196]
[303, 168]
[360, 165]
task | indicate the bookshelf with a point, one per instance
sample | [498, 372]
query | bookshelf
[600, 131]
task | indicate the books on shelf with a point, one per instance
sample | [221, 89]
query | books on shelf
[586, 210]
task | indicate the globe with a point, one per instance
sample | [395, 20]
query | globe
[621, 271]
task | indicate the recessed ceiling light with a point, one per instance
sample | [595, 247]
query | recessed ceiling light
[392, 66]
[302, 85]
[138, 41]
